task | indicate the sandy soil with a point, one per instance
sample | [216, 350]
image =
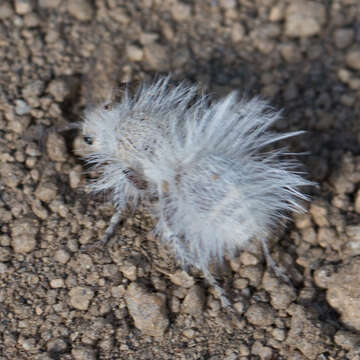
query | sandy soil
[133, 302]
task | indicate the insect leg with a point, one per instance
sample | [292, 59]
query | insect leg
[114, 222]
[225, 302]
[279, 272]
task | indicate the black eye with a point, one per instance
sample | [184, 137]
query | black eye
[88, 139]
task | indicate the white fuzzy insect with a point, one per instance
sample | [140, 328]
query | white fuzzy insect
[218, 185]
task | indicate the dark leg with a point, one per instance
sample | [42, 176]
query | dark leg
[114, 222]
[104, 241]
[280, 273]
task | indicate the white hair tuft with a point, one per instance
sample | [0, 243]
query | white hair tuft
[218, 185]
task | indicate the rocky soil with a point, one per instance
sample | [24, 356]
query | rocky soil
[133, 301]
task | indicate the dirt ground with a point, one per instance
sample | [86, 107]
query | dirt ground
[133, 302]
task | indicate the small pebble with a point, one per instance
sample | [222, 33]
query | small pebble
[56, 147]
[49, 4]
[46, 192]
[277, 12]
[23, 235]
[80, 9]
[58, 89]
[83, 353]
[134, 53]
[5, 254]
[39, 210]
[148, 310]
[346, 339]
[194, 301]
[80, 297]
[239, 307]
[264, 352]
[21, 107]
[6, 11]
[57, 283]
[62, 256]
[56, 345]
[260, 314]
[23, 243]
[23, 7]
[353, 59]
[319, 212]
[129, 271]
[180, 11]
[343, 38]
[237, 32]
[189, 333]
[182, 278]
[304, 18]
[247, 258]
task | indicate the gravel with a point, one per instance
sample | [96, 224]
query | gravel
[23, 7]
[147, 310]
[59, 300]
[343, 292]
[304, 18]
[182, 278]
[260, 315]
[193, 302]
[353, 59]
[56, 147]
[79, 297]
[80, 9]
